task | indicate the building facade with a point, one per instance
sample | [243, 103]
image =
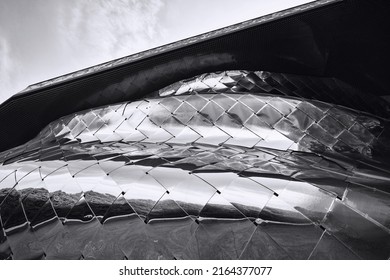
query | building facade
[263, 140]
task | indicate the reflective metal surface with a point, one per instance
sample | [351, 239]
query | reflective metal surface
[213, 167]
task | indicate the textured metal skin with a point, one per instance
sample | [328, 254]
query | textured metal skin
[214, 167]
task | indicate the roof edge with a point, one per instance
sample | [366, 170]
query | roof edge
[172, 46]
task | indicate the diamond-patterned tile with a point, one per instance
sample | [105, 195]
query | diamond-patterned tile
[213, 167]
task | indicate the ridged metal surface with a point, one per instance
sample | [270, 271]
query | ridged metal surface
[208, 168]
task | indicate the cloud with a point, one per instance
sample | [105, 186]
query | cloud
[5, 63]
[44, 39]
[103, 31]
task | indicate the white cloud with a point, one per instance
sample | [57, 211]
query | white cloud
[102, 31]
[45, 39]
[8, 69]
[4, 60]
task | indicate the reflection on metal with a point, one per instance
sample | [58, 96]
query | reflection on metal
[213, 167]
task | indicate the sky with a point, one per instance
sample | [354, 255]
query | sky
[43, 39]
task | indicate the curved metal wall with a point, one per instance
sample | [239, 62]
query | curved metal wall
[128, 160]
[207, 168]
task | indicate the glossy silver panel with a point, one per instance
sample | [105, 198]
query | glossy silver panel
[200, 170]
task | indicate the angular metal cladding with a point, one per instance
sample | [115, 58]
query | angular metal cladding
[215, 163]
